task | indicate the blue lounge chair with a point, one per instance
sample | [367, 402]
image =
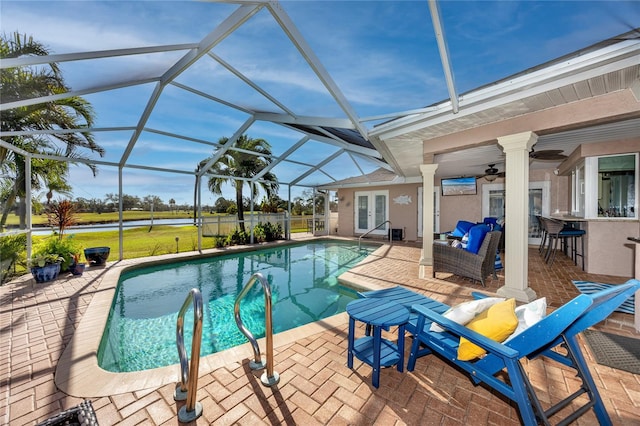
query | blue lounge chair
[559, 328]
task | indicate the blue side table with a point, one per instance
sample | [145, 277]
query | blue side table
[374, 350]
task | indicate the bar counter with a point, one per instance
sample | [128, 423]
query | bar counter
[607, 249]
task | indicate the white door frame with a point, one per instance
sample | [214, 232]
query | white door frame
[436, 210]
[545, 186]
[384, 230]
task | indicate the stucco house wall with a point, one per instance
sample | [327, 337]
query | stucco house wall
[403, 209]
[460, 207]
[469, 207]
[606, 249]
[452, 208]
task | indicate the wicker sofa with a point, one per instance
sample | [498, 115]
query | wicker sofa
[447, 258]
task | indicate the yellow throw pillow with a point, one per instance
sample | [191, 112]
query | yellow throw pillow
[496, 323]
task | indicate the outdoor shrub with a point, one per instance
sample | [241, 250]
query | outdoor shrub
[237, 237]
[13, 249]
[271, 231]
[219, 241]
[259, 234]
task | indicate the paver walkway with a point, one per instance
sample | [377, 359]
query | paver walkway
[316, 387]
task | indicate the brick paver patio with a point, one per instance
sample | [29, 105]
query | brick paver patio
[37, 321]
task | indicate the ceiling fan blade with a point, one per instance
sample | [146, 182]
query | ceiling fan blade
[492, 171]
[548, 155]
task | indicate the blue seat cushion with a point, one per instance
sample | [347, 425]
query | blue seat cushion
[476, 236]
[572, 232]
[462, 227]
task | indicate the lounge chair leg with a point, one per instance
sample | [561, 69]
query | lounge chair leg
[580, 364]
[531, 406]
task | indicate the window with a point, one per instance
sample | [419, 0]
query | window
[616, 186]
[578, 183]
[606, 187]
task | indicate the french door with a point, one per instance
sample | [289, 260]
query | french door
[372, 209]
[493, 202]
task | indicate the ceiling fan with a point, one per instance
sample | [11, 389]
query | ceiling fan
[491, 173]
[547, 155]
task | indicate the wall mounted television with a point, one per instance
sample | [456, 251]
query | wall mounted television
[459, 186]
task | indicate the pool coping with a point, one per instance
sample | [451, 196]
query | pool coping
[78, 373]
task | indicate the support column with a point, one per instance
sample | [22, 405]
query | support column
[636, 314]
[516, 148]
[426, 259]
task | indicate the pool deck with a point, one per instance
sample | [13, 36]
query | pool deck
[48, 335]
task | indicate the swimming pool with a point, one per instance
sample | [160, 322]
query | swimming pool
[140, 332]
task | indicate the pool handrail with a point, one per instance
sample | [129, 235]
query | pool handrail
[189, 374]
[270, 377]
[373, 229]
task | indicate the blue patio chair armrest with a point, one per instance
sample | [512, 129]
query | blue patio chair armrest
[477, 295]
[491, 346]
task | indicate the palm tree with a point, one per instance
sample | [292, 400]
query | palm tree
[235, 164]
[64, 114]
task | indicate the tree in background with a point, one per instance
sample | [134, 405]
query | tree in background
[236, 166]
[273, 204]
[222, 205]
[30, 82]
[112, 200]
[150, 200]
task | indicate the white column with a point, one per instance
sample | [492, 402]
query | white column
[426, 259]
[637, 277]
[516, 148]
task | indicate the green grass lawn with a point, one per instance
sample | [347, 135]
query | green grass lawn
[88, 218]
[141, 242]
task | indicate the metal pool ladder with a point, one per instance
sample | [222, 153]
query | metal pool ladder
[188, 386]
[270, 377]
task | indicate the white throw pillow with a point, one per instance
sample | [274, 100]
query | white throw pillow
[528, 315]
[465, 312]
[465, 241]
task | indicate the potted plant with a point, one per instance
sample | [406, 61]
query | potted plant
[97, 255]
[66, 248]
[61, 215]
[45, 266]
[77, 267]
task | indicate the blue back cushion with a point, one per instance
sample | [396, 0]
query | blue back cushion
[493, 223]
[462, 227]
[476, 236]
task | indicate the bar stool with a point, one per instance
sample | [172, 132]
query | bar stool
[558, 231]
[553, 228]
[574, 233]
[543, 231]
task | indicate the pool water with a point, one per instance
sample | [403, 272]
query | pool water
[141, 331]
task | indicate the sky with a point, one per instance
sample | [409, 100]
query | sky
[381, 54]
